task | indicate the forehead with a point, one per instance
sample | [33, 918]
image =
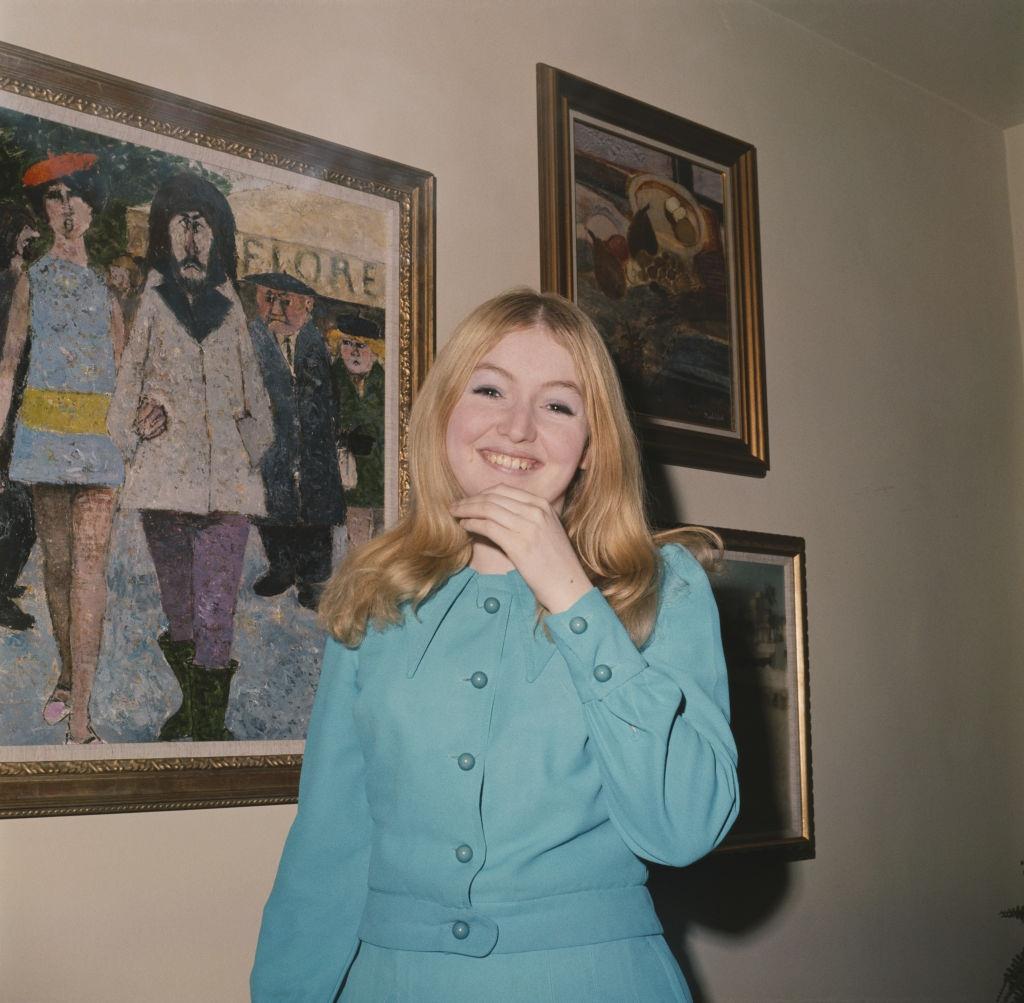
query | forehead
[192, 215]
[531, 354]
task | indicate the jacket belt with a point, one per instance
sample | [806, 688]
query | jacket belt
[571, 920]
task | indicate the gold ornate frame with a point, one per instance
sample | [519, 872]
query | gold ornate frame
[86, 786]
[795, 841]
[561, 97]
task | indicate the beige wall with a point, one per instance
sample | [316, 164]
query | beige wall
[894, 382]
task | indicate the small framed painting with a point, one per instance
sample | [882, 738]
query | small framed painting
[761, 591]
[649, 222]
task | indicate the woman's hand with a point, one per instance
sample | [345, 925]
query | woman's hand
[530, 533]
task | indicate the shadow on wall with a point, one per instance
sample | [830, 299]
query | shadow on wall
[731, 894]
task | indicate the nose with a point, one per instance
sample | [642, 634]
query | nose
[190, 240]
[517, 422]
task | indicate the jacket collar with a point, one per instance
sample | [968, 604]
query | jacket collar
[423, 624]
[200, 316]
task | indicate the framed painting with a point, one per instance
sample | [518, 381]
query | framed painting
[211, 333]
[761, 591]
[649, 222]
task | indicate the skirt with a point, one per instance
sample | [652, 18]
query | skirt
[635, 970]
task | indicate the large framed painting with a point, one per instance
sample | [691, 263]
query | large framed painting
[211, 333]
[761, 591]
[649, 222]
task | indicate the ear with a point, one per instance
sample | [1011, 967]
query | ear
[585, 458]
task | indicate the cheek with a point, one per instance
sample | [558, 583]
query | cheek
[569, 445]
[464, 428]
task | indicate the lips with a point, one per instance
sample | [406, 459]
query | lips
[509, 462]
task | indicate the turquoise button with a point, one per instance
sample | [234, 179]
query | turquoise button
[464, 854]
[479, 679]
[460, 930]
[467, 761]
[602, 673]
[577, 625]
[491, 604]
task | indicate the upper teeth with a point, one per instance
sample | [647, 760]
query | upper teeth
[509, 462]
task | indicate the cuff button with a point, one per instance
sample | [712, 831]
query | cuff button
[460, 930]
[577, 625]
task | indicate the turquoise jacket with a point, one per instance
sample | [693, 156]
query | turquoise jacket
[472, 786]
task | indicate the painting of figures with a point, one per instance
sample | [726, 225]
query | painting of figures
[202, 403]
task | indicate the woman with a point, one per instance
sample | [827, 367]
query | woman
[522, 695]
[61, 446]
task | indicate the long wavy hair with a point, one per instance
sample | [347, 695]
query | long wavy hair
[604, 513]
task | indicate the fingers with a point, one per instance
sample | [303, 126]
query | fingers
[494, 509]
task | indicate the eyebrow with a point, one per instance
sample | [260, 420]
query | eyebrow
[565, 384]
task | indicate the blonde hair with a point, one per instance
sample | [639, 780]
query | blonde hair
[604, 514]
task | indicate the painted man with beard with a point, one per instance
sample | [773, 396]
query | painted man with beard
[193, 420]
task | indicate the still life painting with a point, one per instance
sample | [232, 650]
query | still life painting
[649, 223]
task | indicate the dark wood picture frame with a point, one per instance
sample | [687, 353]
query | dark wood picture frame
[761, 591]
[183, 778]
[682, 314]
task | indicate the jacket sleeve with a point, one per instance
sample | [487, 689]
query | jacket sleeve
[128, 389]
[308, 935]
[658, 717]
[256, 424]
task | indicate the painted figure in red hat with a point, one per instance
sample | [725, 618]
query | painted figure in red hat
[64, 310]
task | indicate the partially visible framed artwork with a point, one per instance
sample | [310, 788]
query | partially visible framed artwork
[761, 591]
[650, 223]
[211, 333]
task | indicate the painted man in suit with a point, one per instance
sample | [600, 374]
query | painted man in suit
[300, 470]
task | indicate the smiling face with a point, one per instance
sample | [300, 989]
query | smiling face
[520, 419]
[69, 215]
